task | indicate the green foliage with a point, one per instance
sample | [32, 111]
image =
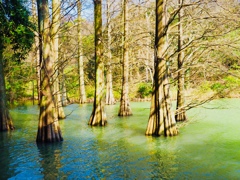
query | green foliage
[144, 90]
[17, 85]
[16, 28]
[232, 81]
[218, 86]
[205, 86]
[71, 80]
[90, 90]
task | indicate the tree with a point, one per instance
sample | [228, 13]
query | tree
[109, 90]
[161, 121]
[5, 119]
[56, 7]
[98, 116]
[15, 32]
[82, 92]
[48, 126]
[181, 112]
[125, 109]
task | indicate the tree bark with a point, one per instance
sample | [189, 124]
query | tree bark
[48, 127]
[36, 55]
[5, 118]
[82, 93]
[161, 120]
[180, 111]
[125, 109]
[98, 116]
[56, 7]
[109, 90]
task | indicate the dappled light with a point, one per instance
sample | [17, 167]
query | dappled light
[144, 89]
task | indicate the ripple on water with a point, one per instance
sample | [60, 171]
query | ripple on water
[205, 149]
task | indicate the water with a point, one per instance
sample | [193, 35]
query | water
[206, 148]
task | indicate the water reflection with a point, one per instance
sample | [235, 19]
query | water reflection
[6, 170]
[50, 160]
[208, 148]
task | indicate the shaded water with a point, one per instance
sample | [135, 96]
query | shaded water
[206, 148]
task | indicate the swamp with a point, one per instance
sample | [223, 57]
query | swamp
[206, 148]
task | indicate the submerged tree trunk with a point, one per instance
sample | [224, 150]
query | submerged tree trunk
[161, 120]
[82, 93]
[109, 89]
[125, 109]
[98, 116]
[180, 111]
[48, 126]
[5, 119]
[56, 5]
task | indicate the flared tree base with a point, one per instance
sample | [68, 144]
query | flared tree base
[49, 134]
[98, 117]
[126, 112]
[125, 109]
[180, 117]
[6, 122]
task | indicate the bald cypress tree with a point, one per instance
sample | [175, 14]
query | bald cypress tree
[48, 126]
[98, 116]
[161, 120]
[181, 112]
[15, 32]
[82, 92]
[125, 109]
[56, 7]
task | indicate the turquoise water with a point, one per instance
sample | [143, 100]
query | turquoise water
[206, 148]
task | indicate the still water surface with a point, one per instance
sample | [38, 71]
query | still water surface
[208, 147]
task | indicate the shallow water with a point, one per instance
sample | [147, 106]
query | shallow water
[206, 148]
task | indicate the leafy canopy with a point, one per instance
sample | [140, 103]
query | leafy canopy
[16, 30]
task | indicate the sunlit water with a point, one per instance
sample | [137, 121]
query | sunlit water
[208, 146]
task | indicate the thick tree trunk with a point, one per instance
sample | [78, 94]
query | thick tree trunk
[125, 109]
[98, 116]
[5, 119]
[109, 90]
[48, 127]
[180, 111]
[82, 93]
[56, 5]
[161, 120]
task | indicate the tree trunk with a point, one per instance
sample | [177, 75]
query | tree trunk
[36, 56]
[125, 109]
[56, 6]
[82, 93]
[5, 119]
[180, 111]
[109, 90]
[98, 116]
[63, 89]
[161, 120]
[38, 43]
[48, 127]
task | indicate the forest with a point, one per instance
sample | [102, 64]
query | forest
[119, 89]
[62, 52]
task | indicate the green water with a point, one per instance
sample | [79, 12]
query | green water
[206, 148]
